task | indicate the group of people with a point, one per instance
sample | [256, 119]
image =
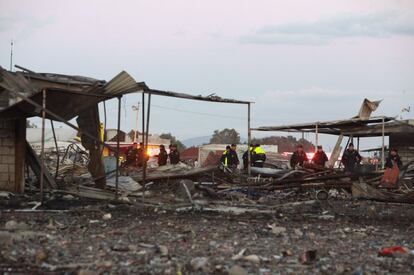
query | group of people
[350, 159]
[136, 156]
[230, 159]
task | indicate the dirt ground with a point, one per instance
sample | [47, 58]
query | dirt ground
[341, 237]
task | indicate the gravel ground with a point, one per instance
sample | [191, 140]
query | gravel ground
[335, 236]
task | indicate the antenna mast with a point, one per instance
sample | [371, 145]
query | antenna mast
[11, 55]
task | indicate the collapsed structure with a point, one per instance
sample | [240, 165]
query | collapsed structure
[25, 94]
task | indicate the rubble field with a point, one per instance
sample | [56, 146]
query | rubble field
[311, 237]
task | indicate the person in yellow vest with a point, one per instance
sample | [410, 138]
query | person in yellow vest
[225, 157]
[258, 156]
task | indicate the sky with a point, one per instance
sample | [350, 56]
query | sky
[298, 60]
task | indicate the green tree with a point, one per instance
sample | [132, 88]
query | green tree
[225, 136]
[174, 140]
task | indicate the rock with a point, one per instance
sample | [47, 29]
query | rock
[278, 230]
[107, 216]
[68, 197]
[237, 270]
[298, 232]
[200, 263]
[51, 225]
[13, 225]
[163, 250]
[252, 258]
[41, 256]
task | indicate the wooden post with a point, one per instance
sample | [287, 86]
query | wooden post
[117, 147]
[42, 154]
[249, 140]
[383, 144]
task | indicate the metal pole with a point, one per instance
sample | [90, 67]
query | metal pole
[146, 138]
[136, 122]
[249, 140]
[11, 55]
[316, 134]
[383, 144]
[42, 154]
[143, 144]
[117, 146]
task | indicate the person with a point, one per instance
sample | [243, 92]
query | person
[258, 156]
[298, 157]
[139, 159]
[224, 159]
[350, 159]
[174, 154]
[393, 164]
[393, 159]
[246, 156]
[320, 158]
[162, 156]
[233, 156]
[131, 154]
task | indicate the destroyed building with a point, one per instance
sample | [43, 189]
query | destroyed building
[25, 93]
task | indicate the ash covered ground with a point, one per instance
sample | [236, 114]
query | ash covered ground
[317, 237]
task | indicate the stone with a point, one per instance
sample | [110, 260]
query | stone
[13, 225]
[252, 258]
[237, 270]
[200, 263]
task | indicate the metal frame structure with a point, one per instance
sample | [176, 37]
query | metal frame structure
[120, 85]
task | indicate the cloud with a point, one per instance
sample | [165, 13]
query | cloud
[325, 30]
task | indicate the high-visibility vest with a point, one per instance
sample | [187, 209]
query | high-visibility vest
[259, 151]
[226, 158]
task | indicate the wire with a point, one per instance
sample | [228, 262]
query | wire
[196, 113]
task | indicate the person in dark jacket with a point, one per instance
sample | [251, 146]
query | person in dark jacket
[162, 156]
[298, 158]
[320, 158]
[131, 154]
[350, 159]
[393, 159]
[246, 156]
[233, 156]
[174, 154]
[229, 158]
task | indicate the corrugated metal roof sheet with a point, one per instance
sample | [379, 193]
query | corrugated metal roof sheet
[121, 84]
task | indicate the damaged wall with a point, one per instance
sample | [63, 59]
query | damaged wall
[12, 154]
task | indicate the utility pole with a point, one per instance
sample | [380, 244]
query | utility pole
[136, 109]
[11, 55]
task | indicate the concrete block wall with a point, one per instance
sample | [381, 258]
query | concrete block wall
[7, 155]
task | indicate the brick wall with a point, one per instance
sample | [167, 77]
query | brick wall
[11, 164]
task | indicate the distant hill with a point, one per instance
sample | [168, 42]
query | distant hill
[197, 141]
